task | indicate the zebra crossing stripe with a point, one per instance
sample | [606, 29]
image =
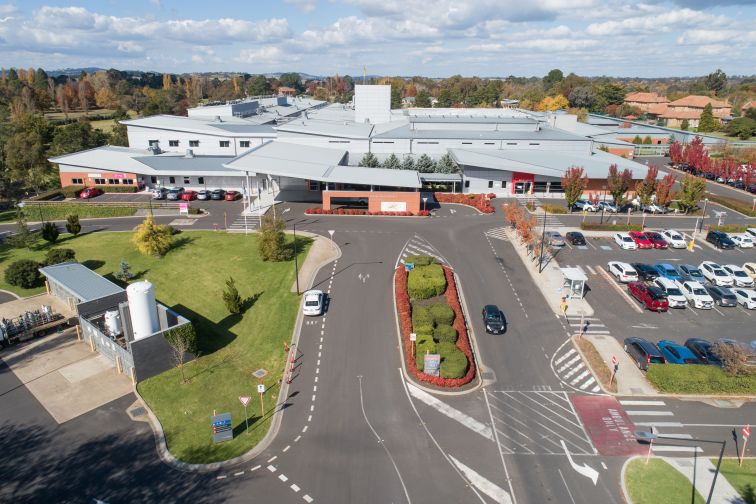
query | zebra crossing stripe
[596, 389]
[568, 364]
[593, 272]
[630, 402]
[575, 370]
[588, 383]
[649, 413]
[580, 377]
[563, 357]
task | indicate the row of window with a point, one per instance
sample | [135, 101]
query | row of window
[102, 181]
[195, 143]
[172, 180]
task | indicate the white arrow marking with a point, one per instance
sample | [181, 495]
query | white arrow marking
[497, 493]
[584, 469]
[451, 210]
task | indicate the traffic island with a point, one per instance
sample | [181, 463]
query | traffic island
[654, 481]
[600, 370]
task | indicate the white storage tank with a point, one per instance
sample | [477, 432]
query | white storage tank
[143, 309]
[113, 322]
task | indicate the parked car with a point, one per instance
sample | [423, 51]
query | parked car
[693, 273]
[232, 195]
[625, 241]
[722, 296]
[670, 289]
[158, 193]
[696, 295]
[714, 273]
[742, 240]
[657, 240]
[217, 194]
[739, 276]
[203, 194]
[608, 206]
[746, 298]
[622, 271]
[189, 195]
[174, 193]
[751, 231]
[643, 352]
[641, 240]
[720, 240]
[554, 239]
[575, 238]
[90, 192]
[750, 268]
[674, 239]
[675, 353]
[646, 272]
[493, 320]
[312, 303]
[668, 271]
[655, 208]
[585, 206]
[652, 297]
[702, 350]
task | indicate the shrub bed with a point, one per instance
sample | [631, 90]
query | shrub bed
[73, 191]
[482, 202]
[730, 228]
[441, 313]
[687, 379]
[61, 211]
[587, 226]
[48, 195]
[443, 333]
[420, 260]
[354, 211]
[734, 204]
[554, 209]
[426, 282]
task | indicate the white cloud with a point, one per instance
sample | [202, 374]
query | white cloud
[7, 9]
[664, 22]
[266, 54]
[303, 5]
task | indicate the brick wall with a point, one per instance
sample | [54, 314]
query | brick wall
[379, 200]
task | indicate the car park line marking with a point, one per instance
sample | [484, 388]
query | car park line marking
[630, 402]
[238, 473]
[451, 412]
[255, 468]
[604, 466]
[272, 459]
[271, 468]
[286, 449]
[307, 498]
[588, 242]
[663, 424]
[283, 478]
[593, 272]
[580, 268]
[296, 439]
[624, 294]
[649, 413]
[221, 477]
[565, 486]
[492, 490]
[294, 487]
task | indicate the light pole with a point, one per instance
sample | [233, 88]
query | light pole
[543, 240]
[703, 217]
[603, 206]
[424, 200]
[650, 437]
[296, 263]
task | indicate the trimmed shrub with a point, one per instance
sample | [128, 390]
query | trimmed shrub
[50, 232]
[423, 345]
[73, 191]
[420, 260]
[441, 313]
[453, 362]
[610, 227]
[59, 255]
[73, 225]
[421, 316]
[426, 282]
[687, 379]
[554, 209]
[445, 334]
[24, 273]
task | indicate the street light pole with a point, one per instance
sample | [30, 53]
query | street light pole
[603, 206]
[296, 263]
[543, 240]
[703, 217]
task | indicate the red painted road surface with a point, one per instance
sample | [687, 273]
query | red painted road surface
[607, 424]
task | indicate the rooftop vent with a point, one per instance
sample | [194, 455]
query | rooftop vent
[218, 119]
[189, 153]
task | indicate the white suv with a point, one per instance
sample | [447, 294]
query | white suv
[742, 240]
[714, 273]
[739, 276]
[674, 238]
[625, 241]
[622, 271]
[695, 293]
[313, 303]
[670, 289]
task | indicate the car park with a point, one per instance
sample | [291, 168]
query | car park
[641, 240]
[625, 241]
[652, 297]
[575, 238]
[622, 271]
[742, 240]
[312, 303]
[674, 239]
[746, 298]
[174, 193]
[608, 206]
[675, 297]
[554, 239]
[691, 272]
[714, 273]
[90, 192]
[739, 276]
[646, 272]
[203, 194]
[657, 240]
[643, 352]
[217, 194]
[720, 240]
[493, 320]
[668, 271]
[158, 193]
[675, 353]
[696, 295]
[750, 268]
[722, 296]
[232, 195]
[702, 349]
[189, 195]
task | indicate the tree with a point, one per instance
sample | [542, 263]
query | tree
[25, 154]
[553, 77]
[646, 188]
[231, 297]
[24, 273]
[59, 255]
[732, 357]
[369, 160]
[742, 127]
[445, 99]
[423, 99]
[446, 164]
[637, 140]
[50, 232]
[23, 237]
[574, 183]
[167, 82]
[664, 189]
[292, 80]
[716, 81]
[557, 102]
[392, 162]
[72, 224]
[151, 238]
[259, 86]
[684, 125]
[707, 122]
[618, 183]
[124, 273]
[612, 94]
[582, 97]
[647, 140]
[692, 190]
[182, 340]
[272, 242]
[75, 137]
[408, 163]
[425, 164]
[396, 97]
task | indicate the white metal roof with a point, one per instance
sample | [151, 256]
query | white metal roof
[573, 274]
[81, 281]
[226, 127]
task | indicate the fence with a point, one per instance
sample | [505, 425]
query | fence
[105, 204]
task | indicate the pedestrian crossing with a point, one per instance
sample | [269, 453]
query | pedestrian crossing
[653, 415]
[572, 371]
[587, 325]
[499, 233]
[551, 220]
[418, 245]
[242, 224]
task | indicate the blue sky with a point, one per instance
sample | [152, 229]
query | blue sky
[434, 38]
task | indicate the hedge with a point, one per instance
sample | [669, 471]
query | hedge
[453, 361]
[420, 260]
[730, 228]
[586, 226]
[73, 191]
[423, 345]
[354, 211]
[445, 334]
[482, 202]
[422, 321]
[426, 282]
[733, 204]
[698, 379]
[48, 195]
[441, 314]
[554, 209]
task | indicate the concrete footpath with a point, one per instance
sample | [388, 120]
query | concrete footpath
[629, 379]
[724, 492]
[322, 251]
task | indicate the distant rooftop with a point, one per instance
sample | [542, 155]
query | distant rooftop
[226, 127]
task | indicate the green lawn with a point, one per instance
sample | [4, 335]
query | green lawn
[105, 125]
[657, 483]
[686, 379]
[190, 279]
[743, 478]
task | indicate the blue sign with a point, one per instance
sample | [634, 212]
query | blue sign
[409, 266]
[432, 364]
[221, 425]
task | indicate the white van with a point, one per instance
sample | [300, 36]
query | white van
[670, 289]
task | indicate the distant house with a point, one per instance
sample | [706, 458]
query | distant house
[286, 91]
[748, 105]
[650, 103]
[691, 107]
[408, 101]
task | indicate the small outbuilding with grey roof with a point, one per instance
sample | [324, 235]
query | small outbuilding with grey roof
[74, 283]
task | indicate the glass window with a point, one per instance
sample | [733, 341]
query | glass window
[153, 143]
[467, 183]
[314, 186]
[503, 184]
[244, 143]
[490, 184]
[200, 180]
[128, 181]
[153, 180]
[173, 143]
[193, 143]
[99, 181]
[172, 180]
[225, 143]
[113, 181]
[77, 181]
[187, 180]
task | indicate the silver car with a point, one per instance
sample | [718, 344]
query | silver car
[554, 239]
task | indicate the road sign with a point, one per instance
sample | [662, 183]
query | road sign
[746, 432]
[431, 364]
[409, 266]
[413, 336]
[260, 388]
[221, 425]
[184, 208]
[244, 400]
[614, 360]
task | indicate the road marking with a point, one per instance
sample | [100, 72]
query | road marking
[315, 387]
[565, 486]
[309, 418]
[649, 413]
[317, 370]
[272, 459]
[316, 379]
[304, 429]
[593, 271]
[283, 478]
[495, 492]
[580, 377]
[451, 412]
[621, 291]
[307, 498]
[221, 477]
[297, 438]
[313, 397]
[294, 487]
[665, 424]
[238, 473]
[498, 444]
[255, 468]
[572, 351]
[585, 469]
[628, 402]
[685, 449]
[676, 436]
[271, 468]
[286, 449]
[588, 383]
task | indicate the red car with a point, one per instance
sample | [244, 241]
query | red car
[90, 192]
[657, 240]
[232, 195]
[652, 297]
[188, 195]
[641, 240]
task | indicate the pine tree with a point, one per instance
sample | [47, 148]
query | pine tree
[684, 125]
[272, 242]
[152, 239]
[392, 162]
[408, 163]
[425, 164]
[446, 164]
[369, 160]
[231, 297]
[72, 224]
[707, 122]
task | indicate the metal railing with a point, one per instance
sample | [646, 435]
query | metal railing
[121, 204]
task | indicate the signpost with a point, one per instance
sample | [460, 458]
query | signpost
[245, 401]
[222, 430]
[409, 266]
[432, 364]
[183, 208]
[261, 391]
[615, 367]
[746, 435]
[413, 338]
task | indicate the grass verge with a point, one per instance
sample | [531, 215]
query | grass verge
[657, 482]
[733, 204]
[588, 226]
[743, 478]
[688, 379]
[60, 211]
[600, 370]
